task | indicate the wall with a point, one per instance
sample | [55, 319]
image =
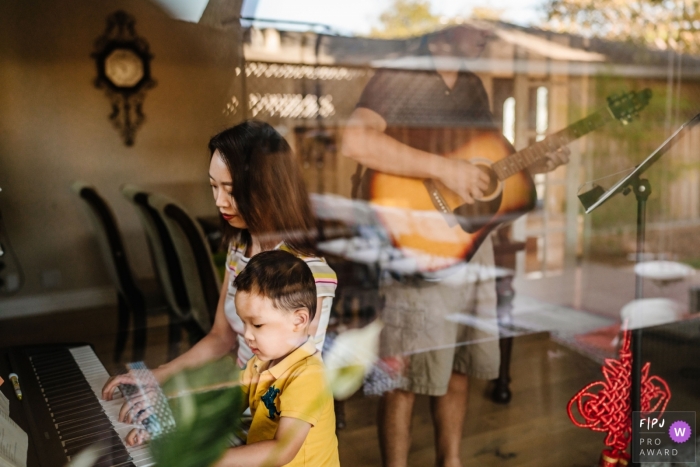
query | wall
[54, 129]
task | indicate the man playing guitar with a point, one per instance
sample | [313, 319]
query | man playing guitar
[403, 125]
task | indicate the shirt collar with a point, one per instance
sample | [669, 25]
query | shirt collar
[304, 351]
[462, 64]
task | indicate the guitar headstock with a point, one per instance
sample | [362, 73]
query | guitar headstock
[625, 107]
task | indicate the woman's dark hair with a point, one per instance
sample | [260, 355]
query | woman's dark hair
[281, 277]
[268, 188]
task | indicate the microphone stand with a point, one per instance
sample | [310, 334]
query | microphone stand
[595, 197]
[642, 190]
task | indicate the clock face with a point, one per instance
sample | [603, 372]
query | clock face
[124, 68]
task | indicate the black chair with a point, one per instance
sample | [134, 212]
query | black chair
[131, 300]
[200, 276]
[168, 270]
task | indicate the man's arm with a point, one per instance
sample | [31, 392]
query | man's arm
[365, 141]
[290, 436]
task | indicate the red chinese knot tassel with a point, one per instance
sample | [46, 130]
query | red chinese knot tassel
[605, 405]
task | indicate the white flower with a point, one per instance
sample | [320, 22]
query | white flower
[87, 457]
[351, 357]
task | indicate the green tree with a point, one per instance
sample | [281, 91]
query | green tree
[663, 24]
[407, 18]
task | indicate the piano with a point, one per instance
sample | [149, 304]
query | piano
[62, 409]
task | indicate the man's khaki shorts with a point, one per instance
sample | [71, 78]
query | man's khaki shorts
[424, 326]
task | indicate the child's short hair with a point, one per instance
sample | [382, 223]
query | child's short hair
[281, 277]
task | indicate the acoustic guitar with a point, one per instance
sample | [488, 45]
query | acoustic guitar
[433, 225]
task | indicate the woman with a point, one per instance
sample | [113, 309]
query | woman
[260, 194]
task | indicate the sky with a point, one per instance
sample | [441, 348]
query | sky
[358, 16]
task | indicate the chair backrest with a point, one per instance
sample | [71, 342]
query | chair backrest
[109, 240]
[201, 277]
[165, 259]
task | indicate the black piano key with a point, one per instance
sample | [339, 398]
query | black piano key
[60, 397]
[50, 353]
[60, 376]
[60, 410]
[112, 441]
[49, 368]
[76, 407]
[84, 429]
[104, 448]
[114, 461]
[104, 432]
[56, 371]
[71, 423]
[66, 387]
[67, 399]
[66, 375]
[74, 402]
[73, 446]
[82, 415]
[83, 424]
[49, 360]
[62, 390]
[68, 391]
[81, 418]
[78, 422]
[117, 455]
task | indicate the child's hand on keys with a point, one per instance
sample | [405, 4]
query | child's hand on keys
[138, 406]
[137, 437]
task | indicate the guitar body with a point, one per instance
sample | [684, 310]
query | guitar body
[437, 239]
[431, 224]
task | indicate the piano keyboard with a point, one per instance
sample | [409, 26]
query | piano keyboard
[71, 382]
[96, 376]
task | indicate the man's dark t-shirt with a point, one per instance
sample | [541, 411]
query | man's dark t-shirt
[422, 112]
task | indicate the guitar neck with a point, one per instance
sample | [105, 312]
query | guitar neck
[520, 160]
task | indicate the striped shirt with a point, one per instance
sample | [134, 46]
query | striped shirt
[326, 283]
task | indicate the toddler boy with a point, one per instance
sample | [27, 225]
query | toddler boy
[284, 384]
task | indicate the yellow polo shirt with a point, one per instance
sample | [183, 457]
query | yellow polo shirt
[296, 387]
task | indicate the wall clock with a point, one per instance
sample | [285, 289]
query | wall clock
[123, 64]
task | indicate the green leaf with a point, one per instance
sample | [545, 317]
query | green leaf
[206, 403]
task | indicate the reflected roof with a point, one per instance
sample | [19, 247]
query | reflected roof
[512, 48]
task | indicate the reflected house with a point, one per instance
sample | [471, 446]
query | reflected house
[306, 84]
[213, 73]
[538, 82]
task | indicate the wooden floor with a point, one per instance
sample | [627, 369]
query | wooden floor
[533, 430]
